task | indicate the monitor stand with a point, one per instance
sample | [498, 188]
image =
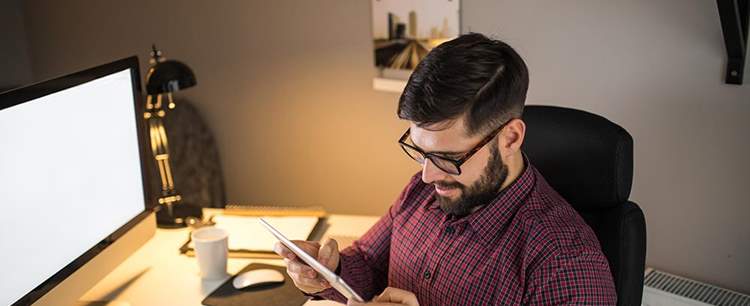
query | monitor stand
[75, 286]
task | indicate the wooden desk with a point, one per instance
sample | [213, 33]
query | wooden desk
[158, 275]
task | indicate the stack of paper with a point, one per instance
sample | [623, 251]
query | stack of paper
[248, 238]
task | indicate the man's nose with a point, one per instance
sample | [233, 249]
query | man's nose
[430, 172]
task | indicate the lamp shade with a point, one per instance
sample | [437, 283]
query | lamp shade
[169, 76]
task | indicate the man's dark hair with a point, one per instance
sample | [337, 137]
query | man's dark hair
[474, 75]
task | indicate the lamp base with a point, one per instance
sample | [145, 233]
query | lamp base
[178, 217]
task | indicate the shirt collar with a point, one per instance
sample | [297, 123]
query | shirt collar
[489, 220]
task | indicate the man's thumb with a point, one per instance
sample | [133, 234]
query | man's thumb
[327, 251]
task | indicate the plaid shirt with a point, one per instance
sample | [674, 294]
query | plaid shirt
[528, 246]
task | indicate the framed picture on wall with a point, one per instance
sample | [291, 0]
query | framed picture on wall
[403, 31]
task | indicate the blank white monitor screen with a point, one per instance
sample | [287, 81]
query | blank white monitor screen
[70, 175]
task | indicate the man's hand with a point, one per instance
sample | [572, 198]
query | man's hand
[390, 297]
[304, 277]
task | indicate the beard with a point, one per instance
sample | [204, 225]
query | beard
[478, 194]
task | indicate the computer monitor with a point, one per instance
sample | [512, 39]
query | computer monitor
[73, 201]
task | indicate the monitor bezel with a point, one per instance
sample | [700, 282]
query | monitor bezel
[29, 93]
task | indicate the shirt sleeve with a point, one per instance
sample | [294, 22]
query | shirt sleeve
[574, 278]
[364, 265]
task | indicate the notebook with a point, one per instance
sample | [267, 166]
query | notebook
[285, 294]
[247, 238]
[270, 210]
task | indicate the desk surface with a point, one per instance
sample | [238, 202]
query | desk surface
[157, 274]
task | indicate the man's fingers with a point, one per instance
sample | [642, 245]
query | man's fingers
[304, 277]
[353, 303]
[302, 269]
[310, 247]
[283, 251]
[302, 281]
[398, 296]
[390, 297]
[327, 250]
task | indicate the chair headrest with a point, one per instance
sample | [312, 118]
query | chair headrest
[584, 157]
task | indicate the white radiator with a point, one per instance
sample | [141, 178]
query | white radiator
[664, 289]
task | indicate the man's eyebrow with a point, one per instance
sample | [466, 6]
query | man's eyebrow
[438, 152]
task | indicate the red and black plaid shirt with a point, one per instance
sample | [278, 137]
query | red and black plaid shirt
[528, 246]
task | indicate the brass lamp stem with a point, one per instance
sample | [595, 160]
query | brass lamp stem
[160, 150]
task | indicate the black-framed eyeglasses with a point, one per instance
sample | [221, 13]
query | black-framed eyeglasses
[444, 163]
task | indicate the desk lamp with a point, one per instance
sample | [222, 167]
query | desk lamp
[163, 78]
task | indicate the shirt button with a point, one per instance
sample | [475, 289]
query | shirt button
[427, 275]
[450, 230]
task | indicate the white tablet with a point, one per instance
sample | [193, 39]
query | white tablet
[333, 279]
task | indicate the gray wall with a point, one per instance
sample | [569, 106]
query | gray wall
[286, 86]
[15, 68]
[656, 68]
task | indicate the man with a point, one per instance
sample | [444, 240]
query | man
[478, 225]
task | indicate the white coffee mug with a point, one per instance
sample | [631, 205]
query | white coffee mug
[211, 245]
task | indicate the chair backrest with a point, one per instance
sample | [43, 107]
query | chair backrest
[589, 161]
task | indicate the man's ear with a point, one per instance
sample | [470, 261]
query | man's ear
[511, 137]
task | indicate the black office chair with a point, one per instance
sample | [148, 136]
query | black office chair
[589, 161]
